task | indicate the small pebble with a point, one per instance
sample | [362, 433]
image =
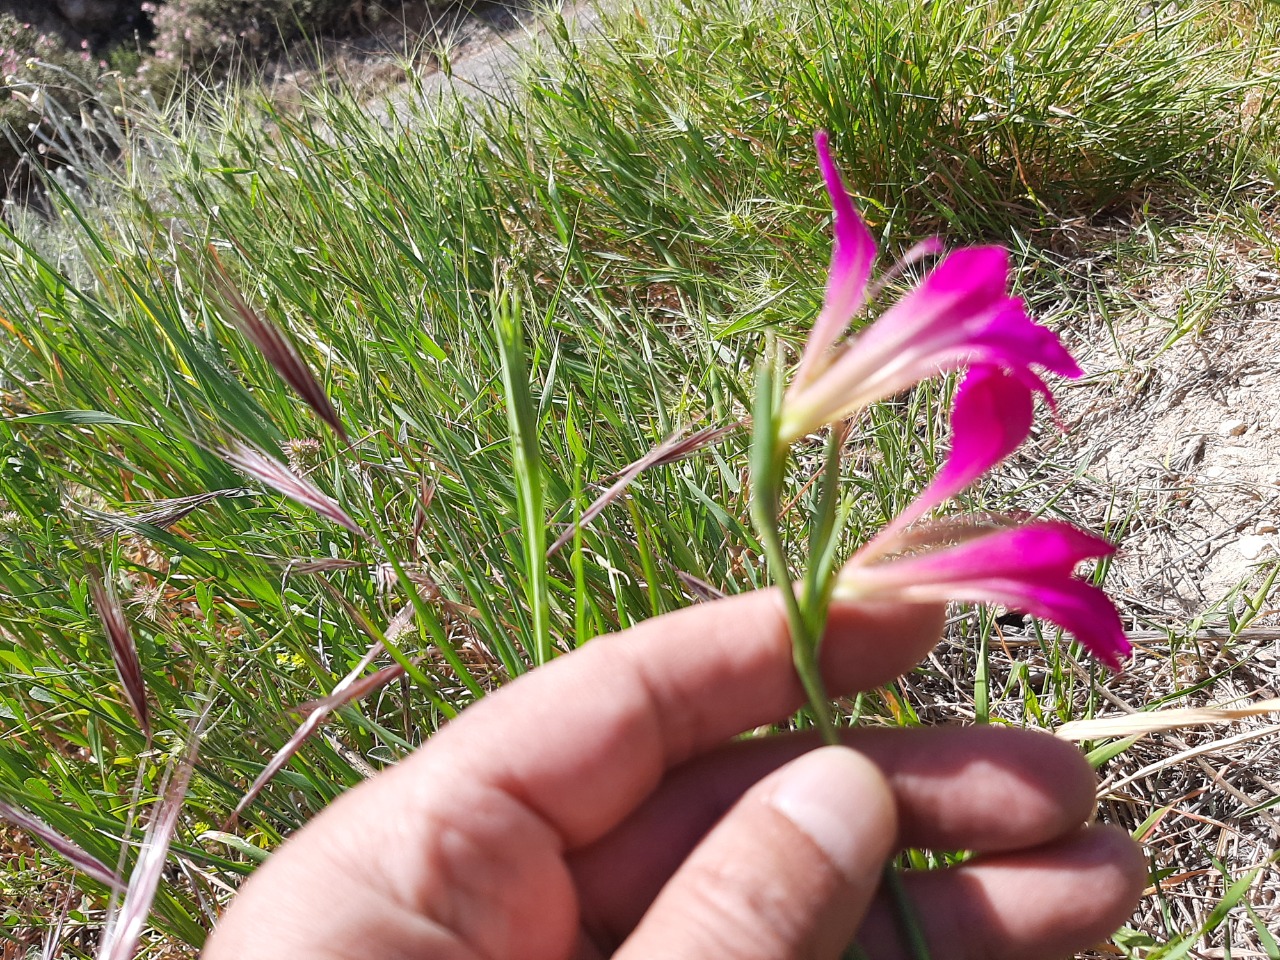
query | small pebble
[1232, 428]
[1251, 547]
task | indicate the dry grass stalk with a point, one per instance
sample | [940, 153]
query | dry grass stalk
[670, 450]
[153, 513]
[276, 475]
[121, 939]
[85, 862]
[356, 691]
[1213, 747]
[1157, 721]
[276, 345]
[123, 650]
[322, 565]
[350, 688]
[53, 935]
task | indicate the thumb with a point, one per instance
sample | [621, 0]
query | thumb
[788, 873]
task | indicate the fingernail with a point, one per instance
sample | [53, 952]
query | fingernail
[838, 800]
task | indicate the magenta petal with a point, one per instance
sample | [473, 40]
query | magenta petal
[1025, 342]
[1046, 547]
[1031, 552]
[1027, 568]
[1004, 336]
[991, 417]
[852, 256]
[1079, 608]
[975, 274]
[854, 251]
[969, 283]
[960, 315]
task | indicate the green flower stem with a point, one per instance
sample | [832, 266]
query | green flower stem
[768, 460]
[804, 645]
[905, 912]
[807, 614]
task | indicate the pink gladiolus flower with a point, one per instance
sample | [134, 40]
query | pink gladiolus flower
[960, 315]
[852, 255]
[1028, 568]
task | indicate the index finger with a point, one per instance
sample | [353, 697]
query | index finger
[459, 851]
[583, 740]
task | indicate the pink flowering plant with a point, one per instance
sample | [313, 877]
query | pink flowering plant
[960, 317]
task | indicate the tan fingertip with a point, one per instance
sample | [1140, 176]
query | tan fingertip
[854, 841]
[1125, 872]
[789, 871]
[867, 644]
[1044, 903]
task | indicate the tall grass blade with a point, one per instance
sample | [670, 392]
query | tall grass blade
[53, 936]
[527, 464]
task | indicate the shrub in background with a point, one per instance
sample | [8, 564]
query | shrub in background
[48, 70]
[204, 33]
[42, 80]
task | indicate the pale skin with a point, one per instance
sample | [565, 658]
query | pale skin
[601, 807]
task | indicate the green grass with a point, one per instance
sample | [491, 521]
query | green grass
[508, 306]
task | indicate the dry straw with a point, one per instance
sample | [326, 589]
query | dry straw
[1158, 721]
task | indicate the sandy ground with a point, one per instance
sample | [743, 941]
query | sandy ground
[1179, 435]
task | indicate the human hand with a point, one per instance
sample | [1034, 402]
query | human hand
[599, 807]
